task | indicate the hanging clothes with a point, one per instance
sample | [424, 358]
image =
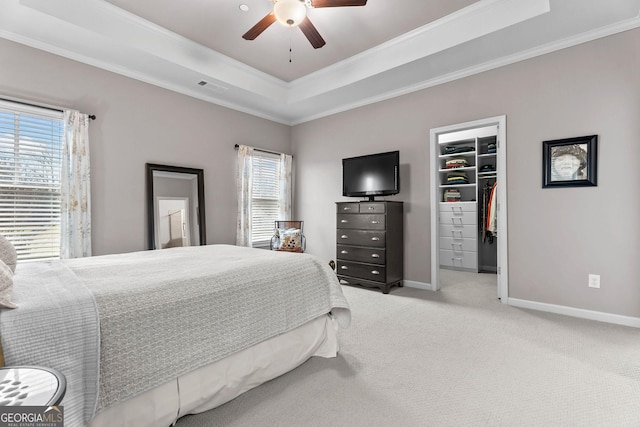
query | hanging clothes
[492, 216]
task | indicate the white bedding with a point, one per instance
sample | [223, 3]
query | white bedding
[165, 314]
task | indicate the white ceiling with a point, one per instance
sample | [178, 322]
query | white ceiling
[374, 52]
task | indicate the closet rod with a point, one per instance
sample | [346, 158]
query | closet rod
[235, 147]
[46, 107]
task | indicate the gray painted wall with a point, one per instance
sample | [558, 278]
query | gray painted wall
[556, 236]
[138, 123]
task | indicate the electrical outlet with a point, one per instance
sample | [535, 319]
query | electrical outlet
[594, 281]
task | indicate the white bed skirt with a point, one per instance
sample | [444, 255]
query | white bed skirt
[217, 383]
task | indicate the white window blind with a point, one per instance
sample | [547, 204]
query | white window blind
[265, 197]
[30, 164]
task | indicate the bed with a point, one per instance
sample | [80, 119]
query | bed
[147, 337]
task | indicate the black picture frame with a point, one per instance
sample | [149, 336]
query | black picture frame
[570, 162]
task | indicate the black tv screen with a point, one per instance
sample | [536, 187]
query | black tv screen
[371, 175]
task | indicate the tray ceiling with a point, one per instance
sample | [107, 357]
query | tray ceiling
[374, 52]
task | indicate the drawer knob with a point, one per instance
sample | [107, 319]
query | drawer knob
[371, 208]
[375, 222]
[344, 221]
[375, 256]
[346, 208]
[375, 239]
[344, 267]
[344, 236]
[344, 251]
[375, 272]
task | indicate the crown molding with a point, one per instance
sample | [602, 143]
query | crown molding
[487, 66]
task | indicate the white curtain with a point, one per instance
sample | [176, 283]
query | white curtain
[285, 185]
[75, 203]
[244, 183]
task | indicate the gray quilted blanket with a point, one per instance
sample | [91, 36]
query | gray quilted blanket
[165, 313]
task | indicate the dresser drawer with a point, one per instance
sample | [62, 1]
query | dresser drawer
[458, 207]
[362, 221]
[348, 207]
[372, 207]
[376, 239]
[458, 244]
[459, 231]
[371, 272]
[462, 259]
[356, 253]
[458, 218]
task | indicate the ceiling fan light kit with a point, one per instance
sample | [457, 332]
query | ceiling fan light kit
[290, 12]
[293, 13]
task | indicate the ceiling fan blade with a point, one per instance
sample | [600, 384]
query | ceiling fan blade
[262, 25]
[311, 33]
[338, 3]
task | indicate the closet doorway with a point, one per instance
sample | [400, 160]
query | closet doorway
[469, 200]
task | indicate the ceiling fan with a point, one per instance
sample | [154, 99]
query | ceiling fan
[293, 13]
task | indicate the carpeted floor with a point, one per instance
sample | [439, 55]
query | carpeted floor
[457, 357]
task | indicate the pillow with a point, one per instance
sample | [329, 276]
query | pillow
[8, 253]
[6, 286]
[289, 240]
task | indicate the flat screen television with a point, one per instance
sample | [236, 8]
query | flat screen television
[371, 175]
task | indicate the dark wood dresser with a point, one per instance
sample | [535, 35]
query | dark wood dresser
[370, 244]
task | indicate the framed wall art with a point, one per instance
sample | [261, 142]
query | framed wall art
[571, 162]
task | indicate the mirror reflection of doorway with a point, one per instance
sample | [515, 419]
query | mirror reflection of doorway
[178, 183]
[173, 221]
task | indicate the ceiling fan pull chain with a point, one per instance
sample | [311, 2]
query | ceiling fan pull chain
[289, 44]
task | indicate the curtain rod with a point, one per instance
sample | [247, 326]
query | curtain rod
[46, 107]
[259, 149]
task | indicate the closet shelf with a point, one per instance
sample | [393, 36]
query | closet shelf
[458, 169]
[473, 184]
[465, 153]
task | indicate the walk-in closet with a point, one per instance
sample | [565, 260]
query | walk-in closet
[466, 197]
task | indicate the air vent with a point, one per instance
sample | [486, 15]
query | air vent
[212, 86]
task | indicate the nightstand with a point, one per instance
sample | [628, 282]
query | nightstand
[31, 386]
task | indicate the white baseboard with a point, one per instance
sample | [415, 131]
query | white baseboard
[577, 312]
[418, 285]
[552, 308]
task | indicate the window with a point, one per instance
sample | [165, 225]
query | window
[30, 165]
[265, 197]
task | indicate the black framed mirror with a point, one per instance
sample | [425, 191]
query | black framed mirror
[175, 206]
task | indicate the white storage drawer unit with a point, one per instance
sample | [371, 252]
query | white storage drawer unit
[459, 260]
[459, 235]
